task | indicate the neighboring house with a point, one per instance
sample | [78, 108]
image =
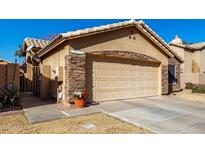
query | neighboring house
[193, 68]
[3, 61]
[117, 61]
[30, 69]
[7, 73]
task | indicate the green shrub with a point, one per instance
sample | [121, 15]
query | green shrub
[198, 89]
[1, 105]
[11, 96]
[189, 85]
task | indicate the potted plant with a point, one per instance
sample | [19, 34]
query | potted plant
[80, 98]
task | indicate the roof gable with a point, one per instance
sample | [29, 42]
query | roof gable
[197, 45]
[148, 32]
[36, 43]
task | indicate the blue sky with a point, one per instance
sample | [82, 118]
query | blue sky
[13, 32]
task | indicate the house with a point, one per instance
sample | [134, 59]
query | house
[193, 55]
[116, 61]
[30, 69]
[4, 62]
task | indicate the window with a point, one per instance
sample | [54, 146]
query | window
[172, 73]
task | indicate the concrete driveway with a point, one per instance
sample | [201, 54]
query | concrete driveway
[160, 114]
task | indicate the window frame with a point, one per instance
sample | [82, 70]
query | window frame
[175, 75]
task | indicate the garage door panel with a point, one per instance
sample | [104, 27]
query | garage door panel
[111, 79]
[114, 83]
[114, 72]
[95, 84]
[95, 72]
[103, 72]
[103, 96]
[102, 84]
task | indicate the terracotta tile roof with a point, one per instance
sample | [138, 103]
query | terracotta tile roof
[183, 46]
[97, 29]
[89, 31]
[38, 43]
[197, 45]
[178, 42]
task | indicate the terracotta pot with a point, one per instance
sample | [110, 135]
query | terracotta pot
[79, 102]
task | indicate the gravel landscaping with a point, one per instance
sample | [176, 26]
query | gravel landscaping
[190, 96]
[11, 109]
[89, 124]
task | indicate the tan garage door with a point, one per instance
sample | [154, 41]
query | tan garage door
[112, 79]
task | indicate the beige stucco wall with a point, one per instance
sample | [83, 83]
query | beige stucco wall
[119, 40]
[187, 61]
[127, 39]
[196, 62]
[193, 65]
[186, 55]
[180, 52]
[191, 59]
[56, 56]
[202, 79]
[55, 59]
[202, 61]
[189, 77]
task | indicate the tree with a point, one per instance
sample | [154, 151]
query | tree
[186, 42]
[19, 52]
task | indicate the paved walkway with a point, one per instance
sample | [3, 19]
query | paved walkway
[37, 110]
[160, 114]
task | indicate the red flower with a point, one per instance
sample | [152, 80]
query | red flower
[84, 93]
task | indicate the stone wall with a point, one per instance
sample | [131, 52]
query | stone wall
[164, 79]
[127, 55]
[75, 71]
[74, 74]
[166, 87]
[176, 86]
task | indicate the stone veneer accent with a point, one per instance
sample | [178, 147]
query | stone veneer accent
[164, 79]
[169, 88]
[176, 86]
[126, 54]
[74, 74]
[75, 70]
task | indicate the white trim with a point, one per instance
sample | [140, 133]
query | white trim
[65, 113]
[160, 80]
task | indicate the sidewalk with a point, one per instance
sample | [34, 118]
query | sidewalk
[37, 110]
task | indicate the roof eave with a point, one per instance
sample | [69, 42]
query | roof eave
[45, 50]
[96, 32]
[139, 25]
[173, 54]
[184, 46]
[166, 52]
[64, 37]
